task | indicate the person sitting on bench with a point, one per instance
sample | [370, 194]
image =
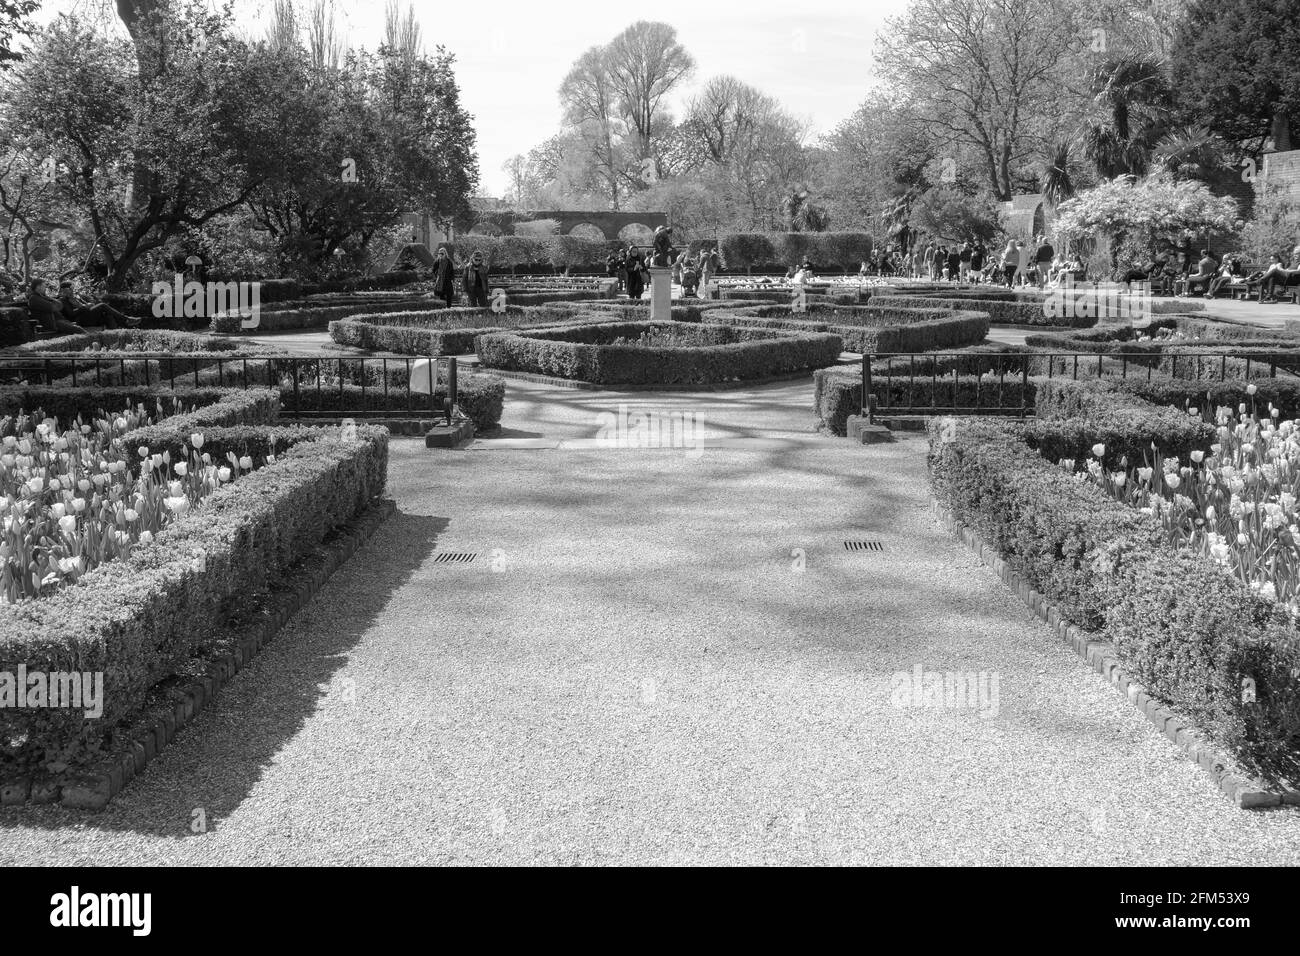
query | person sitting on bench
[1205, 272]
[102, 314]
[1229, 272]
[47, 312]
[1278, 275]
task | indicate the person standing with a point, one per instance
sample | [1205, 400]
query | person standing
[444, 278]
[954, 262]
[636, 274]
[964, 261]
[977, 257]
[1022, 263]
[474, 280]
[1009, 263]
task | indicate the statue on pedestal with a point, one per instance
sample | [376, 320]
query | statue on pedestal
[663, 248]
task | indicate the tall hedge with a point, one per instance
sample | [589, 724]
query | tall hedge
[749, 250]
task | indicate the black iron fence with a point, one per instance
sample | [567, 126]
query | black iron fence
[999, 383]
[311, 386]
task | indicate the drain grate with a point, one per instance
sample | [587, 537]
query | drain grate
[864, 546]
[455, 557]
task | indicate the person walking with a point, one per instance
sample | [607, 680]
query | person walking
[954, 262]
[444, 278]
[474, 280]
[964, 258]
[1043, 257]
[1009, 258]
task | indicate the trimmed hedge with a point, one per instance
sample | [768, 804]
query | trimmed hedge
[837, 394]
[480, 397]
[143, 619]
[999, 312]
[1075, 416]
[1187, 631]
[588, 352]
[309, 316]
[200, 408]
[757, 250]
[868, 328]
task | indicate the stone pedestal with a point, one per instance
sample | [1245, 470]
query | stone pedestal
[858, 430]
[449, 436]
[661, 294]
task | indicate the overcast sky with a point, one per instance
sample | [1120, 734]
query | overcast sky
[814, 56]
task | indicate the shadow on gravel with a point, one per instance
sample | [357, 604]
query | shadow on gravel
[217, 760]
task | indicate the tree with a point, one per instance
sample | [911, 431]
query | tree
[1236, 69]
[14, 22]
[976, 75]
[1134, 215]
[195, 134]
[1132, 99]
[591, 109]
[952, 216]
[645, 64]
[1057, 180]
[802, 213]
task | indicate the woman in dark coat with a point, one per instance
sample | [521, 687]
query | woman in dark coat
[444, 278]
[636, 274]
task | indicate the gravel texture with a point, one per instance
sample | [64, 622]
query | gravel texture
[662, 656]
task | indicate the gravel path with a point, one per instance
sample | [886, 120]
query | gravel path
[662, 656]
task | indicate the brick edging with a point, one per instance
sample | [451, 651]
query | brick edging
[1100, 655]
[93, 790]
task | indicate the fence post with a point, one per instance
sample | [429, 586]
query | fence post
[451, 388]
[866, 388]
[1024, 387]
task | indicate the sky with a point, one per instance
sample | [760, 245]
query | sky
[813, 56]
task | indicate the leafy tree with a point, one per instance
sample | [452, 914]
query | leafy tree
[1135, 215]
[953, 216]
[14, 23]
[1236, 68]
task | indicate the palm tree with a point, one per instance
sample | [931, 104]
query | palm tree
[1131, 97]
[1057, 183]
[1192, 152]
[801, 213]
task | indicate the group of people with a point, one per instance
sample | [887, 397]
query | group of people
[1019, 264]
[1213, 274]
[473, 277]
[65, 313]
[630, 269]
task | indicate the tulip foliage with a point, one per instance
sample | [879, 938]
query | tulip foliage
[1235, 502]
[71, 499]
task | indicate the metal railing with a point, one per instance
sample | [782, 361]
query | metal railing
[998, 383]
[319, 386]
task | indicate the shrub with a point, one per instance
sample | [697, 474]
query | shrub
[837, 394]
[598, 353]
[999, 312]
[867, 328]
[135, 619]
[308, 315]
[1188, 632]
[480, 397]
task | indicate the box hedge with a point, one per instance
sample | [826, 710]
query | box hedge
[142, 619]
[999, 312]
[596, 353]
[1188, 632]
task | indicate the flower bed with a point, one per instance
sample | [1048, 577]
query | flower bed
[605, 353]
[1188, 631]
[868, 328]
[140, 618]
[72, 498]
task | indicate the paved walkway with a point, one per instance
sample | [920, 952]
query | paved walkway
[662, 656]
